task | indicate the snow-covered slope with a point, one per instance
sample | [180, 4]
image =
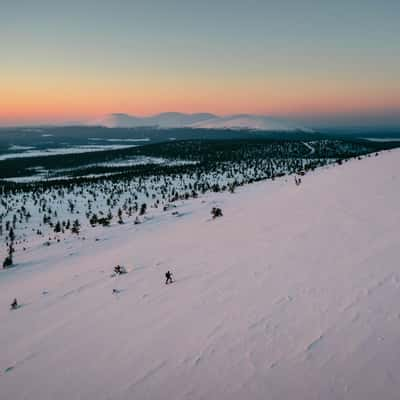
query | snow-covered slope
[201, 120]
[293, 294]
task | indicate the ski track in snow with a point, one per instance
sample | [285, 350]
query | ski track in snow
[311, 148]
[293, 293]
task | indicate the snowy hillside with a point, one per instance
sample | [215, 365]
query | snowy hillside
[293, 294]
[201, 120]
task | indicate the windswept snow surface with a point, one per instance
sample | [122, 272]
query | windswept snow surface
[293, 294]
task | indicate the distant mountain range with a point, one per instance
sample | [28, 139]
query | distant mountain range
[199, 120]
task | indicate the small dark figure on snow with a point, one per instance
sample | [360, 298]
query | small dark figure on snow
[14, 304]
[216, 212]
[168, 277]
[119, 270]
[297, 181]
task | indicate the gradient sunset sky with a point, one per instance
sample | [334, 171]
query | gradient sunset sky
[319, 62]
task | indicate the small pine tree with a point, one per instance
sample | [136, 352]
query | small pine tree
[8, 261]
[75, 227]
[94, 220]
[216, 212]
[120, 221]
[143, 209]
[57, 228]
[11, 234]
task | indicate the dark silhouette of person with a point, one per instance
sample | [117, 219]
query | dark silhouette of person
[14, 304]
[119, 269]
[168, 277]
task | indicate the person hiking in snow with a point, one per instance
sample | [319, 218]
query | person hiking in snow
[14, 304]
[168, 276]
[117, 269]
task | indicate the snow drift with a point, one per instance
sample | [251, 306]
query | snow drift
[293, 294]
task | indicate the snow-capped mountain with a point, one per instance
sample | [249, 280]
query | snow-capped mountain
[246, 121]
[178, 120]
[117, 120]
[199, 120]
[163, 120]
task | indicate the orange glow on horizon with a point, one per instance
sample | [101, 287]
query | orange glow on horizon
[59, 99]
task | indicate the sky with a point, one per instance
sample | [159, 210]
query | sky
[314, 61]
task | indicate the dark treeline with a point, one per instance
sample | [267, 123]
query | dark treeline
[51, 209]
[205, 152]
[56, 137]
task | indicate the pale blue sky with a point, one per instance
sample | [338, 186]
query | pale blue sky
[307, 43]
